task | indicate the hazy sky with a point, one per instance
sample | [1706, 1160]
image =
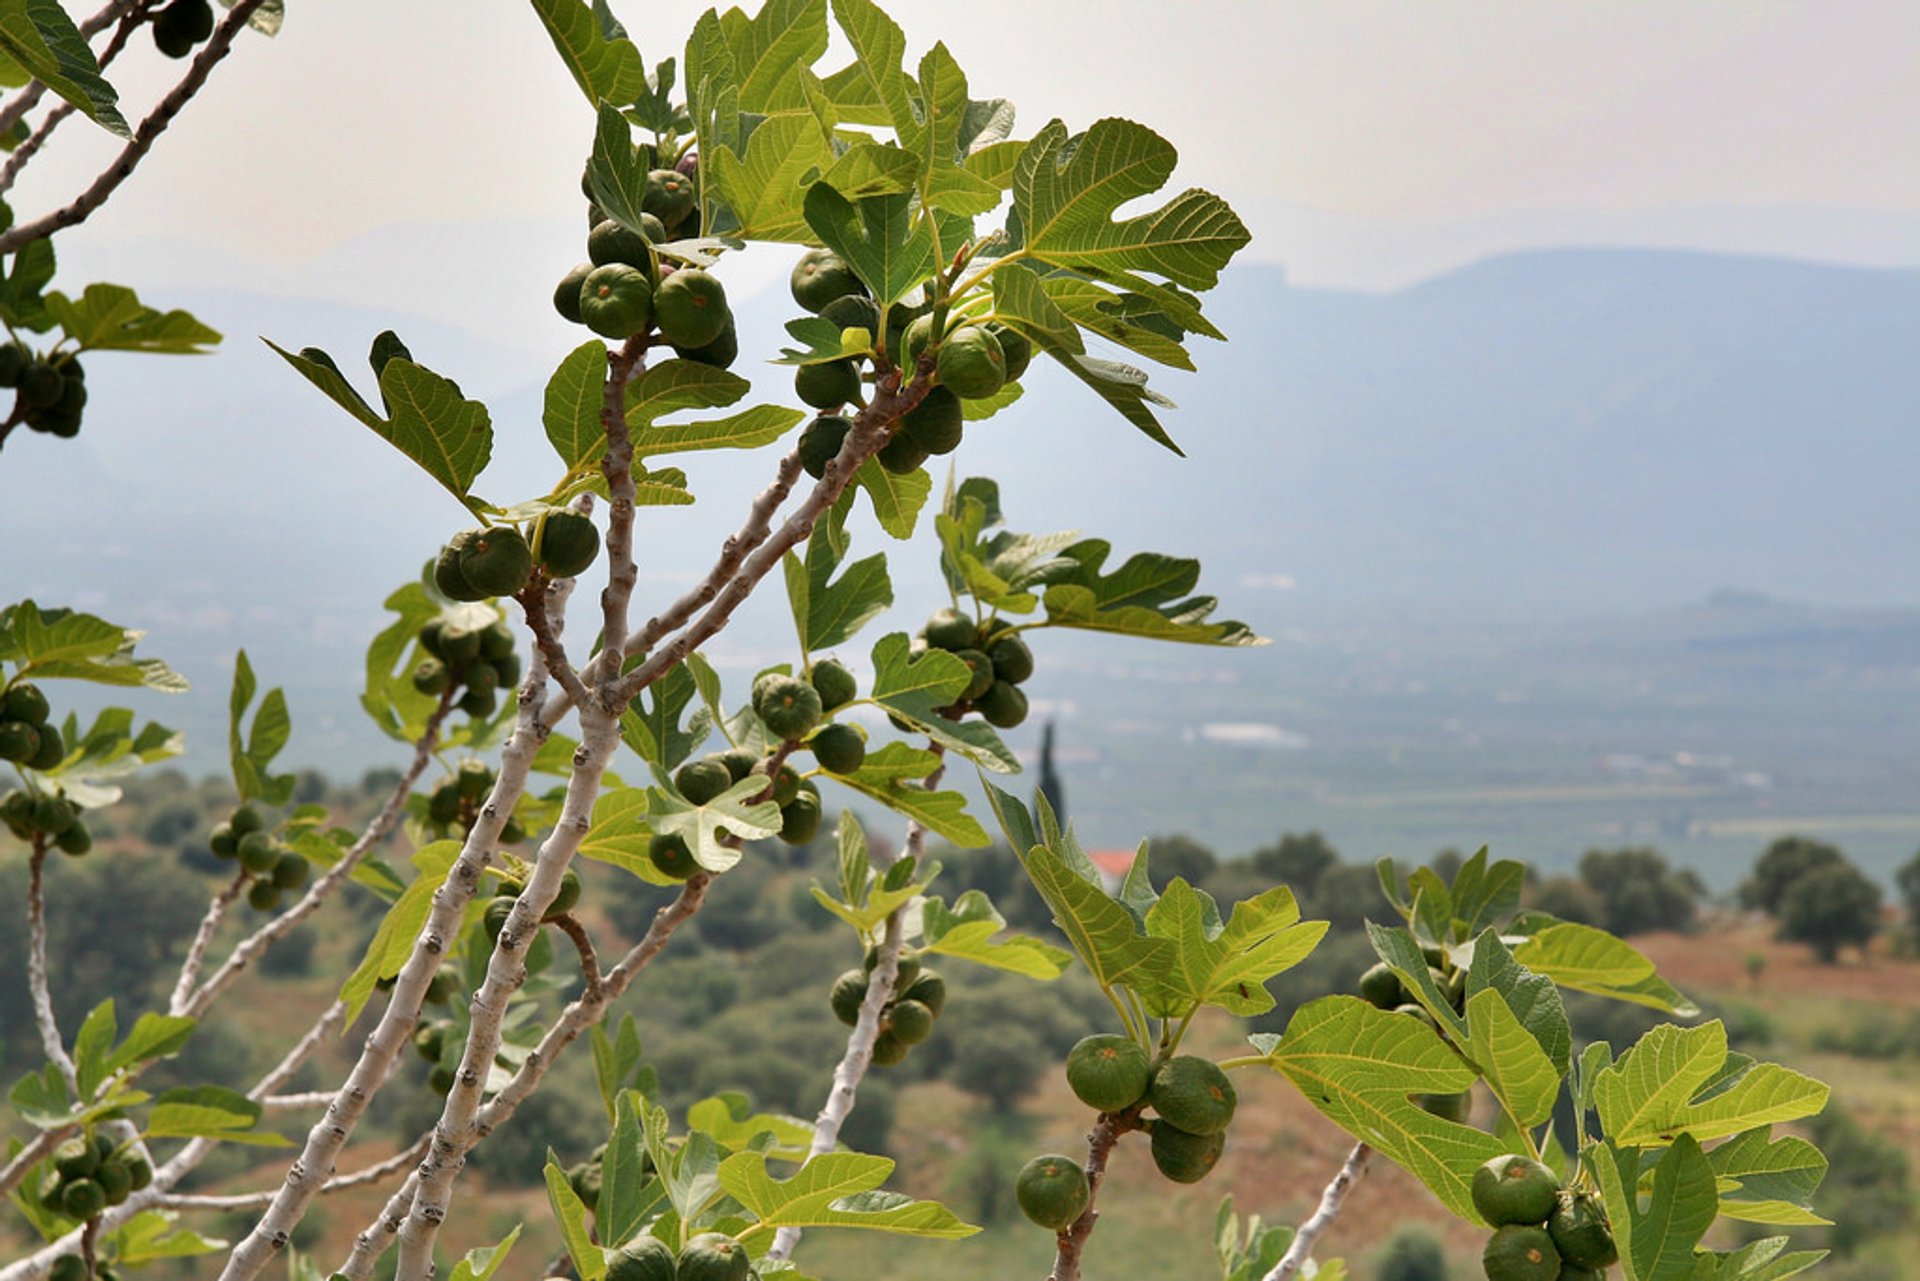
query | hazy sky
[1367, 142]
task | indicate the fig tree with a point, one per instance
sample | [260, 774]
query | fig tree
[834, 683]
[566, 899]
[949, 629]
[670, 856]
[258, 852]
[1052, 1191]
[52, 750]
[82, 1199]
[76, 840]
[910, 1021]
[644, 1258]
[937, 423]
[702, 780]
[1381, 987]
[849, 990]
[800, 818]
[289, 871]
[25, 702]
[1015, 348]
[929, 989]
[1012, 660]
[982, 668]
[431, 677]
[1003, 705]
[853, 311]
[720, 353]
[901, 455]
[263, 896]
[19, 741]
[670, 196]
[1581, 1233]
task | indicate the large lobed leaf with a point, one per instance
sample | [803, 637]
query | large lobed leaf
[1680, 1082]
[1224, 964]
[1360, 1066]
[1148, 596]
[835, 1190]
[42, 38]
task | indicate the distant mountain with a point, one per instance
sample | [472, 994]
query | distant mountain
[1549, 435]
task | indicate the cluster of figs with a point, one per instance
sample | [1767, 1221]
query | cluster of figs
[624, 290]
[90, 1174]
[499, 560]
[708, 1256]
[475, 661]
[49, 391]
[998, 659]
[275, 868]
[969, 361]
[1541, 1230]
[919, 994]
[29, 738]
[1192, 1102]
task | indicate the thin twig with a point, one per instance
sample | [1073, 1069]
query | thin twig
[375, 1173]
[579, 1016]
[1072, 1243]
[1331, 1200]
[589, 959]
[296, 1102]
[395, 1029]
[51, 1043]
[29, 1156]
[61, 110]
[81, 206]
[334, 877]
[196, 956]
[858, 1057]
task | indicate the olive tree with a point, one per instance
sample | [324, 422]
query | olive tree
[549, 718]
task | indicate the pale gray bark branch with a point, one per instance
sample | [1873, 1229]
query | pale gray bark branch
[1331, 1199]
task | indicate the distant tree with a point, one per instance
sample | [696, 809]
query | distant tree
[1447, 863]
[1003, 1068]
[1867, 1181]
[1779, 866]
[1299, 860]
[1347, 896]
[1639, 891]
[1908, 881]
[1412, 1254]
[1829, 908]
[1570, 899]
[1182, 856]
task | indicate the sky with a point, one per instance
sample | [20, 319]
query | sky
[1368, 144]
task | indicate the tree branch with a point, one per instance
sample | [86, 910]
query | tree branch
[589, 959]
[395, 1029]
[51, 1043]
[196, 956]
[582, 1014]
[1331, 1199]
[81, 206]
[1107, 1132]
[617, 466]
[339, 1183]
[25, 152]
[323, 886]
[858, 1058]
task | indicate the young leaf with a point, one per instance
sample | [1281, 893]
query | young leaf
[972, 929]
[252, 756]
[209, 1111]
[897, 499]
[1225, 964]
[836, 1190]
[66, 644]
[1590, 960]
[651, 724]
[732, 812]
[112, 318]
[154, 1036]
[829, 611]
[887, 246]
[1483, 895]
[575, 396]
[616, 1061]
[481, 1262]
[623, 1175]
[887, 776]
[618, 834]
[1532, 998]
[1358, 1065]
[589, 1260]
[1101, 931]
[1766, 1180]
[1653, 1093]
[393, 940]
[730, 1121]
[765, 189]
[152, 1235]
